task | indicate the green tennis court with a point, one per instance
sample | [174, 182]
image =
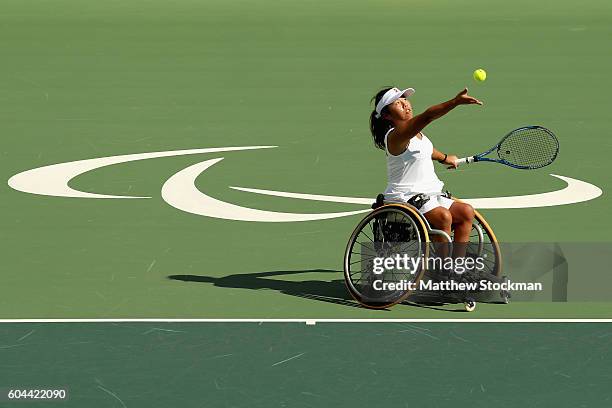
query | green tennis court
[92, 80]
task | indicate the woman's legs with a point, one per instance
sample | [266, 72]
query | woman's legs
[462, 217]
[440, 218]
[458, 217]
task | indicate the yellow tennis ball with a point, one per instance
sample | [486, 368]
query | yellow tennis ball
[480, 75]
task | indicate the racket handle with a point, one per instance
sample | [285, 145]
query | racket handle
[466, 160]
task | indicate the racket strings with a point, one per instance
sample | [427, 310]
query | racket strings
[529, 147]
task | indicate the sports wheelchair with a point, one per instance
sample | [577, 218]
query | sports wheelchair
[395, 230]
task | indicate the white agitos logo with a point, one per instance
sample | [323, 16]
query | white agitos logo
[180, 191]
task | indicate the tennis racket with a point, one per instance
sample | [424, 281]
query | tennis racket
[529, 147]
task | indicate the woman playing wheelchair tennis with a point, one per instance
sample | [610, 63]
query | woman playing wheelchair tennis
[410, 155]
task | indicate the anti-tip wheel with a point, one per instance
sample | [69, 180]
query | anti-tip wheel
[469, 305]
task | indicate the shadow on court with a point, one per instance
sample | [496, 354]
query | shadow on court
[330, 291]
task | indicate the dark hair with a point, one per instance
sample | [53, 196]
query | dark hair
[379, 126]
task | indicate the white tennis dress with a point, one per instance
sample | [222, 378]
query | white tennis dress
[413, 172]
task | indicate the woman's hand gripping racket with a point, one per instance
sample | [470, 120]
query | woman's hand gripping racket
[529, 147]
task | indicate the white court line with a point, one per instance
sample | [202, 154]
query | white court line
[306, 321]
[575, 191]
[53, 180]
[181, 193]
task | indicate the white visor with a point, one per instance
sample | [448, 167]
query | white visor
[391, 96]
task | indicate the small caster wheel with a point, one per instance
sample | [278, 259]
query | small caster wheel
[469, 305]
[504, 294]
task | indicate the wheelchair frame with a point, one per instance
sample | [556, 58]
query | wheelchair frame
[482, 232]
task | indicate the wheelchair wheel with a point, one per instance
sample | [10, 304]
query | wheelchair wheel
[469, 305]
[388, 231]
[488, 247]
[483, 243]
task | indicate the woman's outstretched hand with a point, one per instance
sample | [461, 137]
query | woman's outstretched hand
[463, 98]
